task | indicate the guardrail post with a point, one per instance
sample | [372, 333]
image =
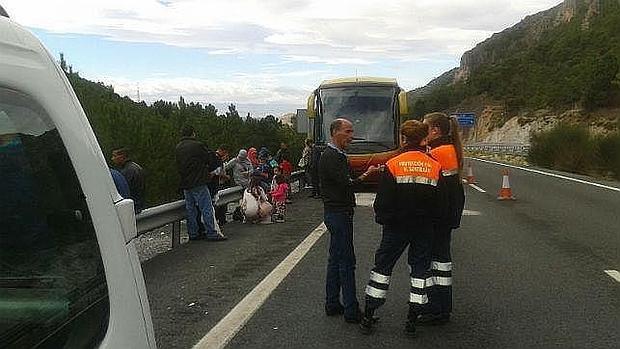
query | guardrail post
[176, 234]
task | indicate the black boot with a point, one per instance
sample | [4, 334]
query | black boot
[410, 324]
[367, 322]
[433, 319]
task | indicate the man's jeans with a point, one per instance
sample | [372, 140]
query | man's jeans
[341, 262]
[199, 196]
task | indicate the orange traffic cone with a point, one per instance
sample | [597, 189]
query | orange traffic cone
[505, 193]
[470, 175]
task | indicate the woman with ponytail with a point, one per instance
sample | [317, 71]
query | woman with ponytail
[445, 147]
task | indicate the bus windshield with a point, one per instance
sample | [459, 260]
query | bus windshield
[370, 109]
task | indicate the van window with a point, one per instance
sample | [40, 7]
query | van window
[53, 291]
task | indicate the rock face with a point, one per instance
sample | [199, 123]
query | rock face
[569, 11]
[516, 130]
[525, 34]
[494, 124]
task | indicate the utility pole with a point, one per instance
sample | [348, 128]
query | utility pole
[138, 88]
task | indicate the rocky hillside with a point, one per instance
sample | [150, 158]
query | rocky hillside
[526, 34]
[559, 64]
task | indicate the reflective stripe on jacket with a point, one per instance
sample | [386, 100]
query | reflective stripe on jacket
[414, 167]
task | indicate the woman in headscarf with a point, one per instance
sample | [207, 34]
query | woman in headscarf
[241, 168]
[253, 157]
[254, 204]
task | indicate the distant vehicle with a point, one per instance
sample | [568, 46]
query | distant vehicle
[70, 276]
[373, 105]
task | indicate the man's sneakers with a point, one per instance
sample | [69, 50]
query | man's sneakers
[216, 238]
[334, 310]
[197, 237]
[338, 309]
[354, 318]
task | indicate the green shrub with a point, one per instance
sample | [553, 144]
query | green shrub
[152, 132]
[565, 147]
[609, 153]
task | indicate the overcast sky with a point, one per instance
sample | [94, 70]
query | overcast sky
[265, 56]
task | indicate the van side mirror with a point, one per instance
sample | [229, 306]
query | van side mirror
[402, 102]
[311, 110]
[3, 12]
[127, 218]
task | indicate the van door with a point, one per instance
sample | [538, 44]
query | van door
[53, 288]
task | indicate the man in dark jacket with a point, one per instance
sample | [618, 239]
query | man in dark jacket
[282, 153]
[134, 175]
[194, 163]
[339, 201]
[313, 170]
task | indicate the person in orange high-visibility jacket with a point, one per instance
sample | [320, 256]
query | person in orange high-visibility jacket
[406, 205]
[445, 147]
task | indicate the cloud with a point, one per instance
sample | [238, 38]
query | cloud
[252, 89]
[306, 41]
[327, 60]
[362, 30]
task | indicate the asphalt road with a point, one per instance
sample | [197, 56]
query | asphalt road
[527, 274]
[193, 286]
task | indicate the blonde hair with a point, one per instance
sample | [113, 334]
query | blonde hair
[449, 127]
[414, 131]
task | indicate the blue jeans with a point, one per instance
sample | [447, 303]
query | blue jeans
[199, 196]
[341, 262]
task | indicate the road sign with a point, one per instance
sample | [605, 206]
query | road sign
[466, 119]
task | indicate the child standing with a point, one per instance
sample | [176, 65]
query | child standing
[287, 169]
[274, 184]
[278, 195]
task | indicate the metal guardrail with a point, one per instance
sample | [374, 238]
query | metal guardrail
[500, 148]
[174, 212]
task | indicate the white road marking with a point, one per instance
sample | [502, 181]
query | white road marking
[614, 274]
[477, 188]
[471, 213]
[551, 175]
[227, 328]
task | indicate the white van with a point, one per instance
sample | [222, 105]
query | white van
[69, 273]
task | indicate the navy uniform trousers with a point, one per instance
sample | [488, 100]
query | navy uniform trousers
[440, 290]
[417, 237]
